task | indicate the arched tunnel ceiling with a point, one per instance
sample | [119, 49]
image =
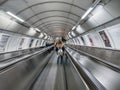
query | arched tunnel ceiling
[55, 17]
[56, 23]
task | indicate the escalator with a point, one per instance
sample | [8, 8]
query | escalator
[19, 73]
[59, 76]
[107, 76]
[39, 70]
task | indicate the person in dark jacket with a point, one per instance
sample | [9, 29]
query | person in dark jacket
[60, 51]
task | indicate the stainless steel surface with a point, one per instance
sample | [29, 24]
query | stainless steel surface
[46, 81]
[39, 11]
[107, 55]
[59, 77]
[73, 78]
[41, 72]
[15, 54]
[52, 78]
[20, 75]
[101, 59]
[60, 83]
[109, 78]
[12, 60]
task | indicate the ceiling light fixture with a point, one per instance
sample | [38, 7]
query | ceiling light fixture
[37, 29]
[73, 27]
[90, 9]
[41, 35]
[87, 13]
[14, 16]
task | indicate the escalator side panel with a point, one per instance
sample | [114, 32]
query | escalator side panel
[20, 75]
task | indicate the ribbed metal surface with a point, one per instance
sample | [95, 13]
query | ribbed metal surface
[38, 11]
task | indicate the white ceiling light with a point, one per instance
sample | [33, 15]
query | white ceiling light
[37, 29]
[31, 31]
[73, 33]
[84, 16]
[45, 37]
[87, 13]
[79, 29]
[90, 9]
[41, 35]
[73, 27]
[14, 16]
[69, 35]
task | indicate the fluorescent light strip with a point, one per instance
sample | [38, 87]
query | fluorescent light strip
[11, 14]
[87, 12]
[41, 35]
[73, 27]
[90, 9]
[37, 29]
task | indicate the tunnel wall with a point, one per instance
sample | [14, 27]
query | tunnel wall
[105, 38]
[102, 14]
[101, 29]
[9, 24]
[10, 41]
[15, 36]
[100, 34]
[103, 44]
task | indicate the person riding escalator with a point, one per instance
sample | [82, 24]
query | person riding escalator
[60, 51]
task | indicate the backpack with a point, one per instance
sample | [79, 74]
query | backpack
[60, 52]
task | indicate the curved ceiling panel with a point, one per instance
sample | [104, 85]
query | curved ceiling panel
[55, 21]
[55, 17]
[50, 2]
[67, 25]
[52, 11]
[64, 24]
[55, 28]
[59, 27]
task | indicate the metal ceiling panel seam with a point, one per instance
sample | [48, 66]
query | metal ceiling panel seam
[52, 11]
[49, 3]
[52, 16]
[42, 13]
[55, 24]
[61, 27]
[64, 24]
[55, 21]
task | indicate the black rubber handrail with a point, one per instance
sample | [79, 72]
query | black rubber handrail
[20, 53]
[95, 47]
[21, 50]
[89, 79]
[106, 63]
[4, 67]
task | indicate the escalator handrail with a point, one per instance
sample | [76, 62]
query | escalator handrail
[18, 53]
[108, 64]
[88, 78]
[2, 67]
[20, 50]
[95, 47]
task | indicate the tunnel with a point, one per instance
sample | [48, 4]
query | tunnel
[59, 44]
